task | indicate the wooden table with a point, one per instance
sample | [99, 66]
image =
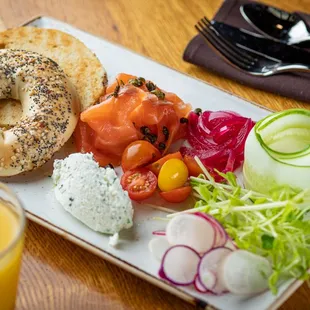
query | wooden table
[57, 274]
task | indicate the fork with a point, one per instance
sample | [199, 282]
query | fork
[242, 58]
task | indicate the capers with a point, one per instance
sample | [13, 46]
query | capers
[150, 138]
[198, 111]
[150, 86]
[137, 82]
[116, 90]
[166, 132]
[145, 130]
[161, 146]
[160, 95]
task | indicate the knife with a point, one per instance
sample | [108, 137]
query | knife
[260, 45]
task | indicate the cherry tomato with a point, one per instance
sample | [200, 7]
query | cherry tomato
[156, 166]
[173, 174]
[177, 195]
[192, 166]
[139, 183]
[138, 154]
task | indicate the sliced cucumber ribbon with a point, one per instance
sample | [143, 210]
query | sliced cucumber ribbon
[277, 151]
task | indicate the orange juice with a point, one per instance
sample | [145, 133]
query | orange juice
[11, 244]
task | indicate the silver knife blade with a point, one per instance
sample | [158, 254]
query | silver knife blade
[261, 45]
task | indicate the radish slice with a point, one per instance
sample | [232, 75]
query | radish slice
[210, 262]
[230, 244]
[159, 233]
[191, 230]
[158, 247]
[221, 235]
[179, 265]
[208, 279]
[245, 273]
[198, 286]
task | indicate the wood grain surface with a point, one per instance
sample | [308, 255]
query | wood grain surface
[57, 274]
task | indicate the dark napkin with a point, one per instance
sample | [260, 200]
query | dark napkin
[197, 52]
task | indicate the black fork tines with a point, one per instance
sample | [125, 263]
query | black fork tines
[226, 54]
[208, 24]
[231, 52]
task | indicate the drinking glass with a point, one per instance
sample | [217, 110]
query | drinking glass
[12, 227]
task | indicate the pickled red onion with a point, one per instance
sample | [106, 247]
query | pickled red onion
[218, 138]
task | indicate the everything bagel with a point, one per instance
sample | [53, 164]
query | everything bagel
[50, 110]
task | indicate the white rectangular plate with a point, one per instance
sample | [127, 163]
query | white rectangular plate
[35, 189]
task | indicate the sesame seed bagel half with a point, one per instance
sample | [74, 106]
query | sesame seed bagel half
[79, 63]
[50, 106]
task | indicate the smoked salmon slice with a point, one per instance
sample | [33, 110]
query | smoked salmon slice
[132, 109]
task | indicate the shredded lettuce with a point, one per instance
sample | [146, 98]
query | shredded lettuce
[274, 226]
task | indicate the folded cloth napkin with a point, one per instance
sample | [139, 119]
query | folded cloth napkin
[294, 85]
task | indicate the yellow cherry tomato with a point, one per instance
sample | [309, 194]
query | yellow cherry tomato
[173, 174]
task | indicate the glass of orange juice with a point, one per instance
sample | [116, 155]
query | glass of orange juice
[12, 226]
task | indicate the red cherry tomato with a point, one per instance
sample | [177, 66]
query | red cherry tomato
[139, 183]
[138, 154]
[177, 195]
[156, 166]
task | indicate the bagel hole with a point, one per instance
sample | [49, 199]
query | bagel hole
[10, 112]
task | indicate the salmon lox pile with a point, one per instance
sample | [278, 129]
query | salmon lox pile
[132, 109]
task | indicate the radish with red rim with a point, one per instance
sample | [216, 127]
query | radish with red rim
[158, 247]
[207, 279]
[210, 263]
[221, 235]
[159, 233]
[179, 265]
[198, 286]
[191, 230]
[231, 244]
